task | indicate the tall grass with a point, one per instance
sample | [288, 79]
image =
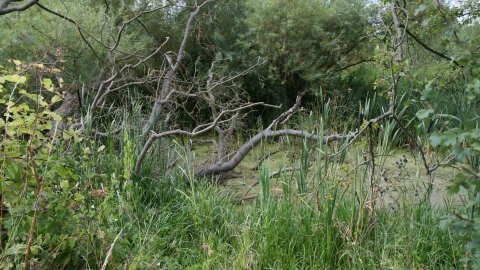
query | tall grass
[175, 222]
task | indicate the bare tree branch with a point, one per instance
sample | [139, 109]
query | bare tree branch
[200, 129]
[243, 151]
[4, 9]
[167, 81]
[135, 18]
[269, 132]
[100, 96]
[426, 47]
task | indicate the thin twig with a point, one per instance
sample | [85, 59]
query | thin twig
[263, 158]
[109, 253]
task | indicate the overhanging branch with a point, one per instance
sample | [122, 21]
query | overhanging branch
[426, 47]
[4, 9]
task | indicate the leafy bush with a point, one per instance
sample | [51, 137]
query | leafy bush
[43, 200]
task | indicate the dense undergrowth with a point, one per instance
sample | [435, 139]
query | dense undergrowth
[69, 194]
[71, 201]
[94, 214]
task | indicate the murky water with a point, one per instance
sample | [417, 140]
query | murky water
[408, 181]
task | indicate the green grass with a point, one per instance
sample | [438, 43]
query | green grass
[175, 222]
[200, 227]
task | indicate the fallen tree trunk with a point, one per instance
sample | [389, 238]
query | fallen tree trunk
[270, 132]
[249, 145]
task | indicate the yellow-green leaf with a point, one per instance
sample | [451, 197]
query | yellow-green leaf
[101, 148]
[15, 78]
[78, 197]
[16, 62]
[55, 99]
[48, 84]
[24, 130]
[64, 184]
[34, 250]
[55, 116]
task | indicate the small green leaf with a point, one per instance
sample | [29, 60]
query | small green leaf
[64, 184]
[449, 138]
[55, 116]
[475, 133]
[424, 113]
[414, 72]
[15, 78]
[48, 84]
[78, 197]
[71, 242]
[55, 99]
[435, 139]
[62, 172]
[460, 152]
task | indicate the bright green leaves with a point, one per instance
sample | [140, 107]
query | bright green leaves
[78, 197]
[453, 136]
[64, 185]
[460, 142]
[32, 165]
[15, 78]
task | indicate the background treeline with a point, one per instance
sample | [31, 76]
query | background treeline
[320, 46]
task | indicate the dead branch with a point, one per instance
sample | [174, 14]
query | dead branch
[245, 198]
[284, 170]
[251, 187]
[167, 80]
[200, 129]
[4, 9]
[99, 97]
[224, 132]
[269, 132]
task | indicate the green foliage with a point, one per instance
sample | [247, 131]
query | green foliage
[307, 38]
[78, 195]
[51, 211]
[38, 188]
[457, 132]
